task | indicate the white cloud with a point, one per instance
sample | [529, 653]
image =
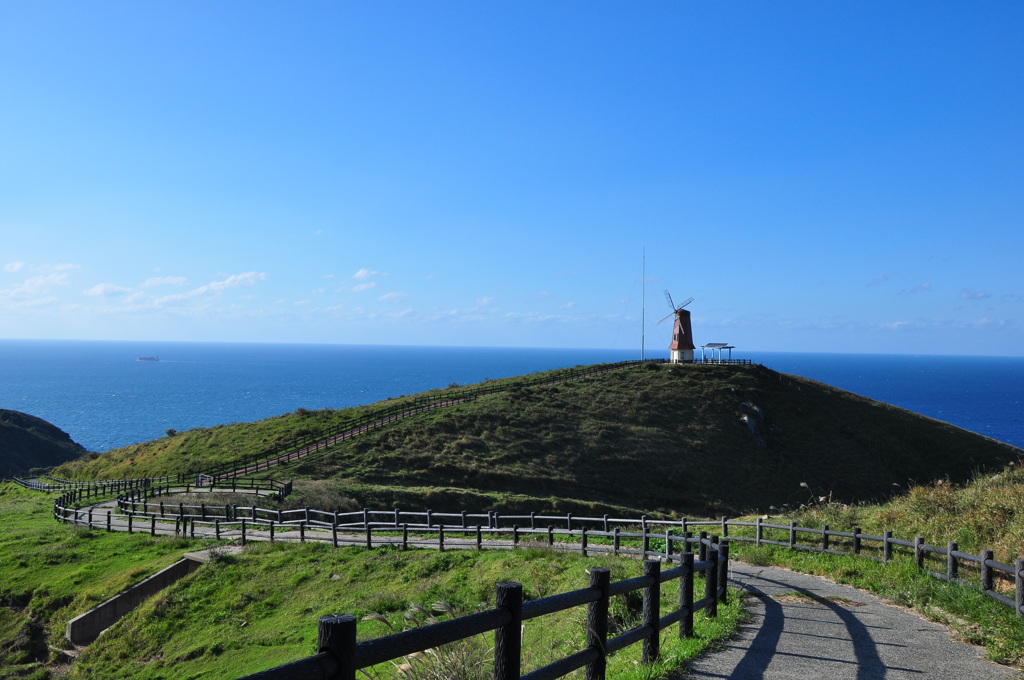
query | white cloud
[36, 285]
[972, 295]
[365, 273]
[484, 301]
[358, 288]
[390, 296]
[13, 266]
[107, 290]
[245, 280]
[164, 281]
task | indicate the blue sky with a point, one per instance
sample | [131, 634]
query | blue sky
[819, 176]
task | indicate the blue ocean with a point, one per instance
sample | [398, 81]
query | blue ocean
[100, 394]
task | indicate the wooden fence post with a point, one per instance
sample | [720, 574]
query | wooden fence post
[856, 540]
[758, 531]
[369, 537]
[725, 526]
[702, 550]
[1018, 584]
[583, 542]
[597, 623]
[919, 551]
[405, 536]
[508, 641]
[824, 537]
[652, 612]
[952, 564]
[711, 583]
[792, 534]
[440, 537]
[887, 546]
[686, 596]
[986, 569]
[616, 542]
[243, 531]
[336, 634]
[723, 571]
[668, 542]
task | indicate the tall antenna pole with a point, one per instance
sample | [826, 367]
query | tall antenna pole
[643, 304]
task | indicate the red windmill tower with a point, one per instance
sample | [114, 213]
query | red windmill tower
[681, 349]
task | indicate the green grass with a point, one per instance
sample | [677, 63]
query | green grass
[643, 440]
[241, 614]
[54, 572]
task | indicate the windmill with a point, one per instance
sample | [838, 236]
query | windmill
[682, 347]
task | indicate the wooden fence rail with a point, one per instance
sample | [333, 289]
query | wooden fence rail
[395, 527]
[339, 656]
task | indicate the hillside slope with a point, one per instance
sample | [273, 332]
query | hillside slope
[27, 442]
[695, 439]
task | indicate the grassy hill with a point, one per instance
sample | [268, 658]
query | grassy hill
[27, 442]
[691, 439]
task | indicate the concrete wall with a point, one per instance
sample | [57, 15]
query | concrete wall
[85, 628]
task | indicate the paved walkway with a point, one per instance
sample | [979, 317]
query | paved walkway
[807, 627]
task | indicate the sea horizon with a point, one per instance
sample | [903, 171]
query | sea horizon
[103, 397]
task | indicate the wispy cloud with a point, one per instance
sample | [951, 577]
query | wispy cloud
[484, 301]
[107, 290]
[360, 287]
[35, 286]
[245, 280]
[925, 287]
[13, 266]
[364, 274]
[390, 296]
[973, 295]
[881, 278]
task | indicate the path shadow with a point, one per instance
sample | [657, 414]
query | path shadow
[765, 645]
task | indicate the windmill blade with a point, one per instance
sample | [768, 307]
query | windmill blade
[688, 301]
[668, 297]
[667, 317]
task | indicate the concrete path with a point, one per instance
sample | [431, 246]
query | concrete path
[807, 627]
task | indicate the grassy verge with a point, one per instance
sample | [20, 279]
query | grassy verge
[248, 612]
[53, 572]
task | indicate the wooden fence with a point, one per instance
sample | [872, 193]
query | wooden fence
[471, 530]
[339, 656]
